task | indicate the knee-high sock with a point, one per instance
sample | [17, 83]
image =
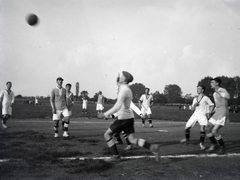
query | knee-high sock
[211, 138]
[187, 134]
[66, 124]
[143, 143]
[202, 136]
[111, 144]
[220, 140]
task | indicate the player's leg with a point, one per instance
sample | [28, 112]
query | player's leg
[67, 114]
[6, 112]
[202, 137]
[129, 145]
[108, 135]
[118, 138]
[210, 135]
[4, 121]
[56, 119]
[149, 115]
[154, 148]
[190, 123]
[143, 116]
[219, 138]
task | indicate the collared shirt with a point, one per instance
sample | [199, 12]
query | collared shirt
[146, 101]
[203, 107]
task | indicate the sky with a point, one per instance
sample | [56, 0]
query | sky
[160, 42]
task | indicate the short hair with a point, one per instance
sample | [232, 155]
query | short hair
[8, 82]
[68, 85]
[218, 80]
[147, 89]
[203, 87]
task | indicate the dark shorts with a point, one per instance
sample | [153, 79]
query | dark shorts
[126, 125]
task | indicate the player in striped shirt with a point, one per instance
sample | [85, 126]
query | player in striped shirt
[7, 99]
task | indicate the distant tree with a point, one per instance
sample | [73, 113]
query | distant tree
[18, 96]
[137, 89]
[173, 93]
[206, 82]
[188, 99]
[159, 98]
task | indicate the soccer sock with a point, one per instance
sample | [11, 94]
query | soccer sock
[56, 128]
[150, 120]
[211, 138]
[187, 134]
[143, 143]
[66, 124]
[5, 120]
[220, 140]
[202, 137]
[126, 138]
[143, 121]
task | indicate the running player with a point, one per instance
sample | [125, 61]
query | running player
[220, 116]
[7, 99]
[100, 102]
[59, 107]
[201, 106]
[125, 121]
[145, 104]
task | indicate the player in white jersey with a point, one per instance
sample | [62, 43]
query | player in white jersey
[125, 121]
[145, 104]
[84, 104]
[201, 106]
[59, 107]
[100, 102]
[7, 99]
[220, 116]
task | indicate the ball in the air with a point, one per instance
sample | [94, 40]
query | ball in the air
[32, 19]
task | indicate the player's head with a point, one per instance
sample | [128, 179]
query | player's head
[9, 84]
[59, 81]
[124, 77]
[201, 89]
[147, 90]
[215, 82]
[68, 86]
[100, 92]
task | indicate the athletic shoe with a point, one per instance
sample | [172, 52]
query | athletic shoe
[65, 134]
[211, 148]
[151, 126]
[115, 158]
[184, 140]
[128, 147]
[56, 135]
[202, 147]
[4, 125]
[222, 150]
[155, 150]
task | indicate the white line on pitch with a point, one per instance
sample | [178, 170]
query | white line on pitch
[142, 157]
[167, 156]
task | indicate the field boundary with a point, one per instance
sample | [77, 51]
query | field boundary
[181, 156]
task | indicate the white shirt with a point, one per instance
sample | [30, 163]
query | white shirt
[7, 98]
[203, 107]
[146, 101]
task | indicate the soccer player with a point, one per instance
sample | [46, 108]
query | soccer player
[201, 106]
[100, 102]
[125, 121]
[70, 103]
[7, 99]
[220, 116]
[84, 104]
[58, 103]
[145, 104]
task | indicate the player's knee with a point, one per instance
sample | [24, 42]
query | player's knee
[187, 130]
[107, 135]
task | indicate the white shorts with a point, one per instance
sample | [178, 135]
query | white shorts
[58, 114]
[221, 121]
[84, 105]
[99, 107]
[146, 110]
[6, 110]
[202, 120]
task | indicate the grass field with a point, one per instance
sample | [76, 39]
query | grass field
[29, 151]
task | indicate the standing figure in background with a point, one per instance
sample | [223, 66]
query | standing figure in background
[7, 99]
[145, 104]
[100, 102]
[84, 104]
